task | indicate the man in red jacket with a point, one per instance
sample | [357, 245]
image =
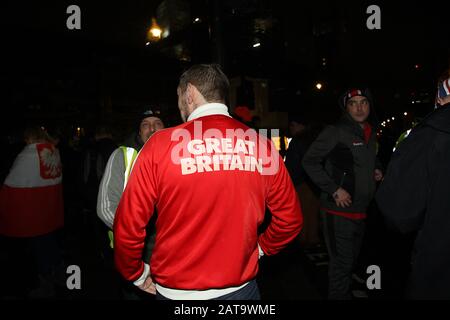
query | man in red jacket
[210, 180]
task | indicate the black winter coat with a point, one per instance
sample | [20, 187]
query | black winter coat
[415, 196]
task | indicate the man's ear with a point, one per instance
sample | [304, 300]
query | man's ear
[190, 94]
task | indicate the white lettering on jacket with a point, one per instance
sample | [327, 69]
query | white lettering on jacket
[220, 154]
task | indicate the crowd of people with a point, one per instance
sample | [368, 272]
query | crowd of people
[181, 211]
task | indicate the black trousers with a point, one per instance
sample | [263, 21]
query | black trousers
[343, 238]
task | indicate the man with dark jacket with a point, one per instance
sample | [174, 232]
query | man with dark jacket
[342, 163]
[303, 134]
[414, 196]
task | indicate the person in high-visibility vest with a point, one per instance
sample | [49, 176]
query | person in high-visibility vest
[117, 172]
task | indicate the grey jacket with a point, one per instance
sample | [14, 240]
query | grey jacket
[111, 188]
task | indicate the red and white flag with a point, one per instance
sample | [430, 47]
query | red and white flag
[31, 200]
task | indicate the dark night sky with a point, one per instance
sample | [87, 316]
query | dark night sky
[110, 46]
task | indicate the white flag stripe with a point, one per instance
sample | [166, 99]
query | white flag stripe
[25, 172]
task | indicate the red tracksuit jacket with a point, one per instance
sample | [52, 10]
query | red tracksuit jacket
[210, 190]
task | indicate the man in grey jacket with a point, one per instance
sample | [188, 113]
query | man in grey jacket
[119, 166]
[342, 163]
[115, 178]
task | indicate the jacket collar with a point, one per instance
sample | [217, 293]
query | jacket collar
[352, 125]
[209, 109]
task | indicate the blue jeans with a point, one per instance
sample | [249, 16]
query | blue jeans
[249, 292]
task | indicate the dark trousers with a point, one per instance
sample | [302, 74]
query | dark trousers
[343, 238]
[47, 253]
[129, 291]
[23, 259]
[249, 292]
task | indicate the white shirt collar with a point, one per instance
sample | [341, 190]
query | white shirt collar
[209, 109]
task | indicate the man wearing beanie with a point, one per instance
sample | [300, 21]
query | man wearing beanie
[116, 176]
[342, 163]
[414, 197]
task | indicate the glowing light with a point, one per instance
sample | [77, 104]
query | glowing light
[165, 33]
[405, 114]
[256, 45]
[155, 32]
[196, 20]
[319, 86]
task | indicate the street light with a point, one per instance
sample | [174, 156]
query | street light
[256, 45]
[155, 32]
[319, 86]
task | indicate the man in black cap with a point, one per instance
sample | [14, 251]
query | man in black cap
[115, 177]
[342, 163]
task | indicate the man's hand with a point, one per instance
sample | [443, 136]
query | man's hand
[378, 175]
[342, 198]
[148, 285]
